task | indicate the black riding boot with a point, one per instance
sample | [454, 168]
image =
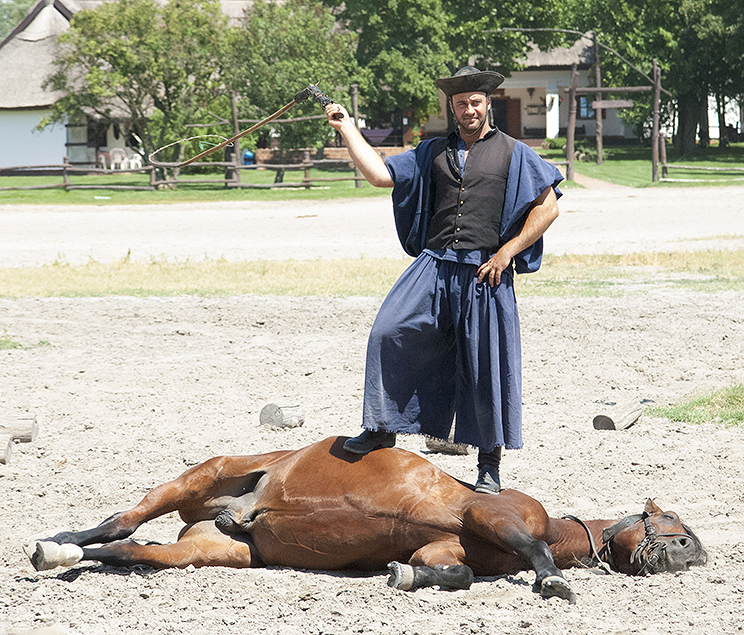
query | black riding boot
[370, 440]
[488, 471]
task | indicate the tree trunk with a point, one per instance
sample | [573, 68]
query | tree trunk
[689, 116]
[723, 140]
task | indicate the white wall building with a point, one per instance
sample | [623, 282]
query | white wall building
[532, 104]
[27, 57]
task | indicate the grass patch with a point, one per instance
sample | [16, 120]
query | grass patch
[7, 343]
[186, 193]
[569, 276]
[725, 406]
[631, 165]
[325, 278]
[624, 165]
[612, 275]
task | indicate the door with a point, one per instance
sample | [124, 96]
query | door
[506, 115]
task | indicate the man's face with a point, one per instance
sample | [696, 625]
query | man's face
[470, 110]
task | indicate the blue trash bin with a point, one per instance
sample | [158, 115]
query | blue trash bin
[248, 157]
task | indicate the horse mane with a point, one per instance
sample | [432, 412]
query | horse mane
[608, 533]
[701, 555]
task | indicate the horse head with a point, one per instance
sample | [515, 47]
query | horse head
[652, 542]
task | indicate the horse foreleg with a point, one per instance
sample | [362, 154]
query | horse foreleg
[436, 564]
[201, 545]
[508, 529]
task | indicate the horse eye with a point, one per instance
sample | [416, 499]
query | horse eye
[668, 516]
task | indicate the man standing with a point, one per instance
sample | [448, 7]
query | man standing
[445, 345]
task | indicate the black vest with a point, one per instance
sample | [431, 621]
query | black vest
[467, 210]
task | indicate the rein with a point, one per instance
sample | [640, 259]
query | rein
[605, 566]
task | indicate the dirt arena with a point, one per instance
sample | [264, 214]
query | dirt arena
[129, 392]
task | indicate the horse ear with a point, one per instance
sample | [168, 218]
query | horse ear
[651, 507]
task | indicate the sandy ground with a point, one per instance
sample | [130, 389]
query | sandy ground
[131, 391]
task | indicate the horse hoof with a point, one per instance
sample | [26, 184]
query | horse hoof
[556, 586]
[49, 555]
[401, 576]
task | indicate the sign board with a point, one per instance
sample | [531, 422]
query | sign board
[605, 104]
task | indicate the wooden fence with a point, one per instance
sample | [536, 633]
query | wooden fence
[231, 179]
[715, 169]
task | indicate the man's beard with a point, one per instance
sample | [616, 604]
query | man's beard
[468, 129]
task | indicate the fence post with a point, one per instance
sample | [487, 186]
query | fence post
[598, 111]
[65, 175]
[355, 109]
[307, 164]
[655, 130]
[236, 143]
[571, 131]
[662, 152]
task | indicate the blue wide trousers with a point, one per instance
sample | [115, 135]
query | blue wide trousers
[445, 347]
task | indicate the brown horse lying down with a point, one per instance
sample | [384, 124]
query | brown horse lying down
[323, 508]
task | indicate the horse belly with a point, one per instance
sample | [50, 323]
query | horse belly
[333, 539]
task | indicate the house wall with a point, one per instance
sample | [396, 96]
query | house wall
[22, 145]
[734, 114]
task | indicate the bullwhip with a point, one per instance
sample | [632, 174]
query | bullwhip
[311, 91]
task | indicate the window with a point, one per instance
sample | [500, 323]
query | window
[584, 108]
[97, 133]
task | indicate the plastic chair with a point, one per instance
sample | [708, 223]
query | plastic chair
[103, 160]
[135, 160]
[119, 159]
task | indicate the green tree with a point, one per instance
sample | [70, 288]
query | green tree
[407, 44]
[698, 44]
[156, 66]
[11, 14]
[281, 48]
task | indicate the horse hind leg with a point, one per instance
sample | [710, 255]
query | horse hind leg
[436, 564]
[509, 532]
[189, 494]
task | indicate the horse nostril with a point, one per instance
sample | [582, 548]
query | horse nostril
[684, 542]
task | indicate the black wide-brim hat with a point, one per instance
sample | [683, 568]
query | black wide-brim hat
[470, 80]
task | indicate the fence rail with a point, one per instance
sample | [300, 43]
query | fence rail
[231, 178]
[665, 168]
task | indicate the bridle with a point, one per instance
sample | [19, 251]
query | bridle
[648, 552]
[650, 549]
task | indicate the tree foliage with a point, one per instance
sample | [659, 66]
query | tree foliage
[11, 13]
[698, 44]
[281, 48]
[407, 44]
[154, 65]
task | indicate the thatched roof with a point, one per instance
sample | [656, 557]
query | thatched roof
[581, 54]
[27, 55]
